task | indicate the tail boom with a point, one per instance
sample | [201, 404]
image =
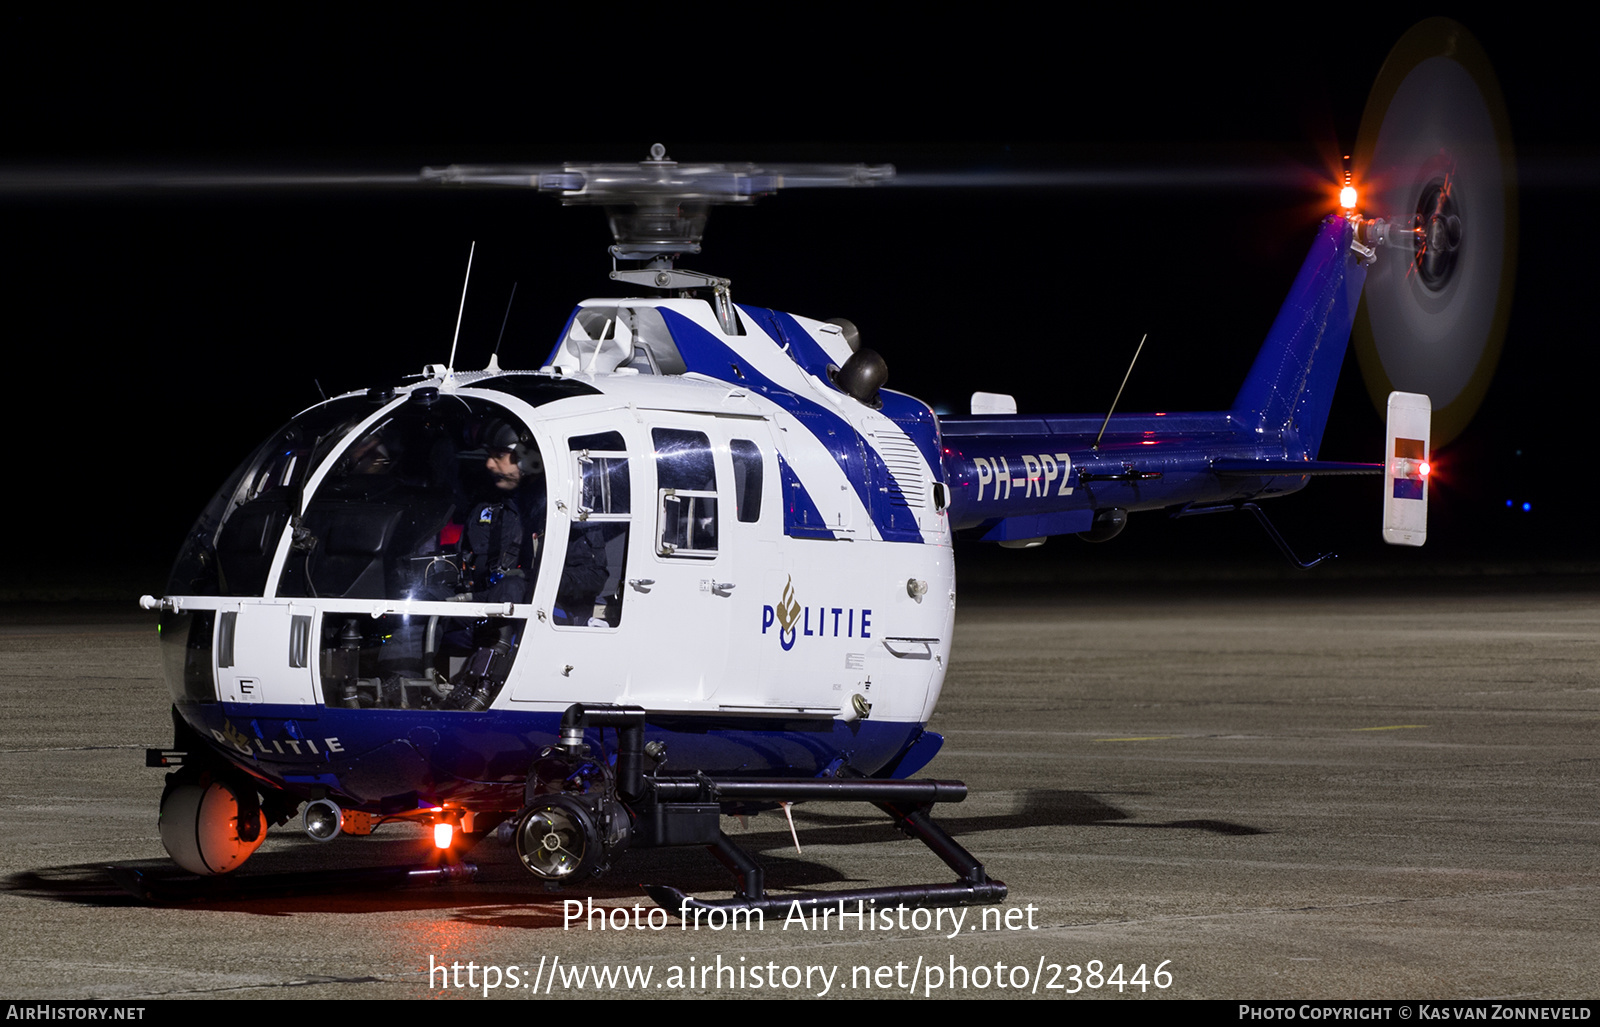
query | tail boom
[1020, 477]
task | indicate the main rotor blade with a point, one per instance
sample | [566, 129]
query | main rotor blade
[88, 180]
[1285, 176]
[600, 183]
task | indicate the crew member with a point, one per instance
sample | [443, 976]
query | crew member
[499, 559]
[500, 546]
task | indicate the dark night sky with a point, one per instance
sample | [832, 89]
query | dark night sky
[156, 336]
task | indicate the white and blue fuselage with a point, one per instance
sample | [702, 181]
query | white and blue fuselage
[704, 525]
[778, 589]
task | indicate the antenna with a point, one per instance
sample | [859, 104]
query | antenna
[450, 367]
[494, 358]
[605, 333]
[1124, 385]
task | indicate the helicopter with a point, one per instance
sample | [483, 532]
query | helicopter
[700, 561]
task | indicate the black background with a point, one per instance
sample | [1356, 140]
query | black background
[155, 335]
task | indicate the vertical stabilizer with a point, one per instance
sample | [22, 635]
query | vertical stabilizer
[1290, 386]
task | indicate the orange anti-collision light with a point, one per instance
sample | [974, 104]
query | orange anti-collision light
[443, 832]
[1347, 197]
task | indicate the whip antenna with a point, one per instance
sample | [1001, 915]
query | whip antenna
[451, 366]
[1124, 385]
[494, 358]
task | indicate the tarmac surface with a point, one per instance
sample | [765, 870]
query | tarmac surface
[1325, 790]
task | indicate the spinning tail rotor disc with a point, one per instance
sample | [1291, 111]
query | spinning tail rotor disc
[1434, 158]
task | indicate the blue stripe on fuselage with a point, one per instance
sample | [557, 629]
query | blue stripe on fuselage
[912, 415]
[859, 462]
[801, 518]
[485, 757]
[805, 350]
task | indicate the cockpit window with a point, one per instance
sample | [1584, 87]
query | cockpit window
[437, 500]
[686, 480]
[230, 548]
[590, 593]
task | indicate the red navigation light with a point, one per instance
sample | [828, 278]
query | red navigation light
[1423, 468]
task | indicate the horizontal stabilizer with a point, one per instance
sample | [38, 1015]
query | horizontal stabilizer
[1269, 468]
[993, 403]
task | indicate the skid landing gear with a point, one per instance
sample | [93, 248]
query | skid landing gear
[973, 887]
[167, 890]
[607, 812]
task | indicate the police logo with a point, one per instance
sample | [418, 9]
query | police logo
[788, 613]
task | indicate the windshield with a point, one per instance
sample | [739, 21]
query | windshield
[442, 498]
[230, 548]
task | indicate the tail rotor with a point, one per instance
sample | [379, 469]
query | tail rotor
[1434, 159]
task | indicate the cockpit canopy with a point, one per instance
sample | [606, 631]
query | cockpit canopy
[387, 517]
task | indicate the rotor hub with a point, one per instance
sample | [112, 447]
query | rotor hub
[657, 208]
[1436, 227]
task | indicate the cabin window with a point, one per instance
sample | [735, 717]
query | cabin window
[686, 496]
[747, 470]
[590, 593]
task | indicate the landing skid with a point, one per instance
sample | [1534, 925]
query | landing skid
[170, 890]
[908, 804]
[930, 896]
[563, 836]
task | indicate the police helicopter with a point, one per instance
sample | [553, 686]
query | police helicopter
[699, 560]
